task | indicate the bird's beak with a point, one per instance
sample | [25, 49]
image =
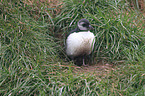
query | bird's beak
[90, 27]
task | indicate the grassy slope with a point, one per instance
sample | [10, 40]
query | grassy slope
[30, 63]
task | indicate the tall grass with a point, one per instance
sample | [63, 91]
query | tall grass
[26, 46]
[32, 36]
[114, 23]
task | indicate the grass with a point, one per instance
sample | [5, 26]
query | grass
[33, 57]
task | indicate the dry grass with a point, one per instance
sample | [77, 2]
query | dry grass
[53, 6]
[139, 4]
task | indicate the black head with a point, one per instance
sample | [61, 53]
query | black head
[84, 24]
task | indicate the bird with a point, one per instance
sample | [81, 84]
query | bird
[80, 42]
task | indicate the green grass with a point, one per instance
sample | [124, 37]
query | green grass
[33, 57]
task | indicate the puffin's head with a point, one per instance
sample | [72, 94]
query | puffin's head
[84, 24]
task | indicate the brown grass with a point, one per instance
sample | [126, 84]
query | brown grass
[53, 6]
[141, 4]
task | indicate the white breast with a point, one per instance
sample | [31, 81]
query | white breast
[80, 43]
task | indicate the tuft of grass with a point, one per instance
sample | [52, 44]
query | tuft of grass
[32, 36]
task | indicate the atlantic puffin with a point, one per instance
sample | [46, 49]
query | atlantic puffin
[80, 42]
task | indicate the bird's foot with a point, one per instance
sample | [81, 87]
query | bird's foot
[85, 65]
[84, 62]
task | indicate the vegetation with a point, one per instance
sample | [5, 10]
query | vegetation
[33, 60]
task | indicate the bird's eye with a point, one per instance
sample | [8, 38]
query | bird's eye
[83, 25]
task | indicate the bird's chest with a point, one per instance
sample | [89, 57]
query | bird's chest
[80, 43]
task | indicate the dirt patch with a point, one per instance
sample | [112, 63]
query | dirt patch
[99, 69]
